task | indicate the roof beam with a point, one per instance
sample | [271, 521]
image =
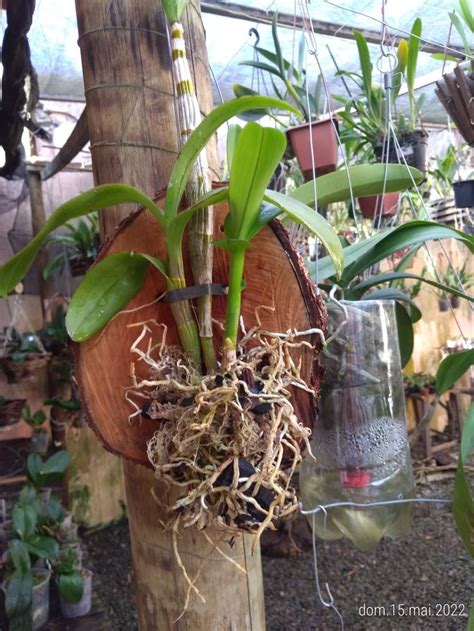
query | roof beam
[252, 14]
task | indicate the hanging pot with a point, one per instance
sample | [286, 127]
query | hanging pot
[455, 301]
[324, 144]
[370, 206]
[26, 370]
[10, 413]
[464, 194]
[81, 608]
[443, 304]
[413, 148]
[79, 265]
[360, 439]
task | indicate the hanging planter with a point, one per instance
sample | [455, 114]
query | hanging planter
[360, 438]
[375, 205]
[464, 194]
[24, 370]
[324, 145]
[443, 304]
[10, 412]
[79, 265]
[412, 148]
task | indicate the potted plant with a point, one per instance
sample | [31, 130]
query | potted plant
[365, 128]
[40, 433]
[10, 412]
[80, 247]
[379, 205]
[315, 140]
[75, 587]
[24, 355]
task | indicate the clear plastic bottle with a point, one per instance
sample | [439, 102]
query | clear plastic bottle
[360, 438]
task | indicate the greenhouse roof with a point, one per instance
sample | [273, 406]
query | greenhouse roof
[56, 56]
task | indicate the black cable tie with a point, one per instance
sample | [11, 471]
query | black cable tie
[196, 291]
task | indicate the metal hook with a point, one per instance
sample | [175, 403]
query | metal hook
[253, 31]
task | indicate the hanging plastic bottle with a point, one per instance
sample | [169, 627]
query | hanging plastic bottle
[360, 440]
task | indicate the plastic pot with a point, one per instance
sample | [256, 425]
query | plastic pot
[455, 301]
[324, 146]
[370, 206]
[413, 147]
[443, 304]
[40, 442]
[40, 600]
[464, 194]
[81, 608]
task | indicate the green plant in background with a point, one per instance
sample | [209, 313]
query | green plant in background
[35, 420]
[419, 381]
[70, 580]
[53, 335]
[42, 473]
[463, 22]
[443, 173]
[364, 116]
[19, 346]
[81, 244]
[290, 79]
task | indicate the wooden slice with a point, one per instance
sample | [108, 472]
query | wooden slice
[275, 277]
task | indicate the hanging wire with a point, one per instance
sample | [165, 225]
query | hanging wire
[330, 603]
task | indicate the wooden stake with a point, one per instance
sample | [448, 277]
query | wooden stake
[132, 126]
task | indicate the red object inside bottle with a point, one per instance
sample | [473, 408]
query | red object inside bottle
[355, 479]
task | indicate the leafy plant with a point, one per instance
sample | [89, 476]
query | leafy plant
[41, 473]
[20, 345]
[291, 75]
[81, 243]
[364, 116]
[35, 420]
[53, 335]
[70, 583]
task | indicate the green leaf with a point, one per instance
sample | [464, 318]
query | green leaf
[249, 115]
[444, 57]
[452, 368]
[413, 49]
[19, 555]
[357, 290]
[18, 597]
[257, 154]
[405, 235]
[233, 134]
[105, 290]
[24, 520]
[173, 9]
[280, 62]
[43, 546]
[405, 333]
[71, 586]
[463, 503]
[33, 467]
[314, 222]
[367, 179]
[55, 467]
[397, 295]
[365, 63]
[460, 29]
[466, 10]
[99, 198]
[260, 65]
[201, 135]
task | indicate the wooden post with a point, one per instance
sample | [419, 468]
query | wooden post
[132, 126]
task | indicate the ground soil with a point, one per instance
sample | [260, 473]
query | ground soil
[429, 568]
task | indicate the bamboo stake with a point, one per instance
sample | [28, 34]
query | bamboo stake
[201, 226]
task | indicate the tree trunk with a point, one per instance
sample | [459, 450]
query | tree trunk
[132, 126]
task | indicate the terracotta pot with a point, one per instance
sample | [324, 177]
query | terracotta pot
[324, 146]
[370, 206]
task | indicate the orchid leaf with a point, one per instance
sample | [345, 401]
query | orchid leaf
[99, 198]
[363, 180]
[173, 9]
[105, 290]
[463, 502]
[313, 221]
[452, 368]
[202, 134]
